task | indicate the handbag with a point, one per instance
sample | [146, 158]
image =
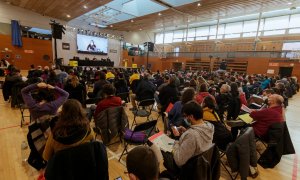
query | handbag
[37, 138]
[138, 137]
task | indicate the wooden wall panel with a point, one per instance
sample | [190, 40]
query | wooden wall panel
[39, 48]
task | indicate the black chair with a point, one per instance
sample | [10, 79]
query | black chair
[110, 123]
[85, 161]
[203, 166]
[146, 127]
[144, 109]
[124, 96]
[241, 154]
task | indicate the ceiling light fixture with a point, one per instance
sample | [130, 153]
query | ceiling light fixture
[132, 20]
[289, 3]
[85, 7]
[159, 14]
[68, 16]
[141, 29]
[199, 4]
[111, 26]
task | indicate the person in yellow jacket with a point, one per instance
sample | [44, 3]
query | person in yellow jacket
[134, 76]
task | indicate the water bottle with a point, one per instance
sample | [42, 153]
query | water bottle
[24, 147]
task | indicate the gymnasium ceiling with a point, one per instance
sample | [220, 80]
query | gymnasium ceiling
[154, 15]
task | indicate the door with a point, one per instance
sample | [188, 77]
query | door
[285, 71]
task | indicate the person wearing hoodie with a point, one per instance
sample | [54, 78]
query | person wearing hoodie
[194, 140]
[71, 129]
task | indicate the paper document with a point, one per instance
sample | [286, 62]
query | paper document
[246, 118]
[162, 141]
[246, 109]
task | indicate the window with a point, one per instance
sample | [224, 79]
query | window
[250, 26]
[201, 38]
[228, 36]
[190, 39]
[221, 29]
[168, 37]
[202, 31]
[159, 38]
[212, 30]
[280, 22]
[212, 37]
[177, 40]
[178, 34]
[249, 34]
[294, 21]
[294, 31]
[276, 32]
[232, 28]
[191, 32]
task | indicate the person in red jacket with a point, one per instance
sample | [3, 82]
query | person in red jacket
[110, 100]
[203, 92]
[265, 117]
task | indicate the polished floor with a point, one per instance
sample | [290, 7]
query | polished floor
[11, 137]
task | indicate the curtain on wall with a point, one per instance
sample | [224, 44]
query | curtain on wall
[16, 33]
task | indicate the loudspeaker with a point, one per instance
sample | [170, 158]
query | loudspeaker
[149, 46]
[57, 31]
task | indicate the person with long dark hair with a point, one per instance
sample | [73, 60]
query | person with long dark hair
[71, 129]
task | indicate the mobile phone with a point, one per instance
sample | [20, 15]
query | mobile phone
[174, 127]
[119, 178]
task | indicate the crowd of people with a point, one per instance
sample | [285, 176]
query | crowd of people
[202, 102]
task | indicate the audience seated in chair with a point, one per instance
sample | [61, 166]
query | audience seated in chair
[144, 90]
[142, 164]
[222, 136]
[71, 129]
[175, 116]
[110, 100]
[45, 104]
[265, 117]
[192, 141]
[98, 86]
[76, 90]
[168, 94]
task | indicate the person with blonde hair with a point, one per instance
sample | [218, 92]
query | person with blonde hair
[75, 89]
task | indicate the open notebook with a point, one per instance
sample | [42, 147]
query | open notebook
[162, 141]
[246, 118]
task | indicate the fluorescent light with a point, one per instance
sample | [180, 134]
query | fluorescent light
[289, 3]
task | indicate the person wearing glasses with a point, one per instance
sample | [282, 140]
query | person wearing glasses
[192, 141]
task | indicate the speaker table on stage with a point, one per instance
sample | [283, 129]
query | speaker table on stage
[73, 63]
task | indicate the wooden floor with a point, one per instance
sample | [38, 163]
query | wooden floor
[11, 137]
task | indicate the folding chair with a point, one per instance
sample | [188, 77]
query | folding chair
[124, 96]
[142, 110]
[233, 151]
[111, 123]
[146, 127]
[223, 153]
